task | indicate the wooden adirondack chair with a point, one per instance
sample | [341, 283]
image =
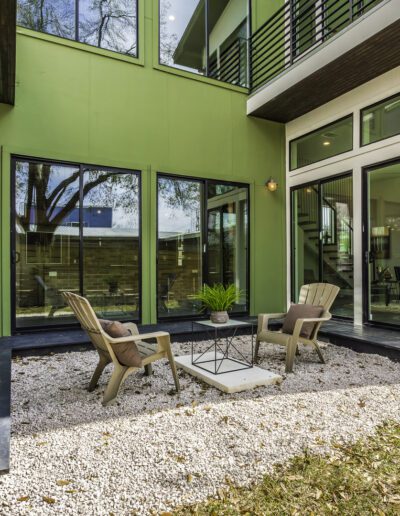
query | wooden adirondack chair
[104, 346]
[316, 294]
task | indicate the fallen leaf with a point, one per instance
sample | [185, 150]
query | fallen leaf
[48, 500]
[63, 482]
[23, 498]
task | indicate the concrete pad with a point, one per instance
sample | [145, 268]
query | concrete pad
[229, 381]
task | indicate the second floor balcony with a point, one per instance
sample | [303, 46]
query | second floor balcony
[312, 51]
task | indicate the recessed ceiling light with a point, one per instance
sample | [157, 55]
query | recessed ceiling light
[171, 17]
[326, 143]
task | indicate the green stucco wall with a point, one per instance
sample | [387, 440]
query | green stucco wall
[75, 104]
[264, 9]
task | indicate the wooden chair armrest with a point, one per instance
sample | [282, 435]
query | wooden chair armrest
[134, 338]
[264, 318]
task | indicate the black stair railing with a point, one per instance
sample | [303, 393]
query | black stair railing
[298, 27]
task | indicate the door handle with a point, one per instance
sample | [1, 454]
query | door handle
[15, 257]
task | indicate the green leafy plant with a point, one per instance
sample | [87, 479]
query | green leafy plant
[218, 298]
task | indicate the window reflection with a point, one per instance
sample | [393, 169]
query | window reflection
[179, 246]
[227, 229]
[46, 241]
[52, 16]
[383, 185]
[183, 37]
[111, 243]
[108, 24]
[51, 230]
[189, 253]
[381, 121]
[182, 34]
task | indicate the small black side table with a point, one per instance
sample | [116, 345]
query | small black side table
[216, 358]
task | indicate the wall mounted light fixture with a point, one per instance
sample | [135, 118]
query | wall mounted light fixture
[271, 185]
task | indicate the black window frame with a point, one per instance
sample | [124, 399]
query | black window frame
[323, 127]
[371, 106]
[76, 33]
[206, 41]
[82, 167]
[205, 182]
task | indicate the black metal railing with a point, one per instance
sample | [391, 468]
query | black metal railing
[295, 29]
[231, 64]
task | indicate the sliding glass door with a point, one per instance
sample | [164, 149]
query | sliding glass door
[75, 229]
[382, 243]
[202, 238]
[110, 239]
[322, 238]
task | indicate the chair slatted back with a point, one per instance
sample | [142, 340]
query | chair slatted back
[319, 294]
[87, 318]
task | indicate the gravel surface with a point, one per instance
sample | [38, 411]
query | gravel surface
[152, 449]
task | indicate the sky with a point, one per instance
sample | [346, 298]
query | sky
[182, 10]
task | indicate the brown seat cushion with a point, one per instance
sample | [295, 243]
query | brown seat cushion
[301, 311]
[126, 352]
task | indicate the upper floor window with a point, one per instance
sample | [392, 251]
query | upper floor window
[323, 143]
[107, 24]
[380, 121]
[207, 37]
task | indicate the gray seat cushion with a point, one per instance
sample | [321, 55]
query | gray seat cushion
[301, 311]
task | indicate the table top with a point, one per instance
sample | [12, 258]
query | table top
[232, 323]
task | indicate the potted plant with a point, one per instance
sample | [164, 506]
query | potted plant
[218, 299]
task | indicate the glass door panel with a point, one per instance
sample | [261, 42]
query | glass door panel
[383, 244]
[46, 253]
[227, 238]
[180, 246]
[337, 241]
[322, 239]
[110, 231]
[305, 237]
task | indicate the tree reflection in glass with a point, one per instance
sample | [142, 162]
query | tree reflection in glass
[179, 246]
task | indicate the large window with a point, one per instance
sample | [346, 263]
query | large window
[206, 37]
[202, 238]
[380, 121]
[323, 143]
[108, 24]
[76, 229]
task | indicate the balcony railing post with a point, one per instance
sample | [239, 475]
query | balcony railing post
[351, 14]
[292, 32]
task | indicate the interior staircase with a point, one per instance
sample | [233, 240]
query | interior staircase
[336, 243]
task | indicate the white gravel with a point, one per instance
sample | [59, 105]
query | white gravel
[153, 450]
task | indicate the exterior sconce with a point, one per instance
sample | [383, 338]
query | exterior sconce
[271, 185]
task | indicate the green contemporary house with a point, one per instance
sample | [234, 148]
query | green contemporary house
[137, 138]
